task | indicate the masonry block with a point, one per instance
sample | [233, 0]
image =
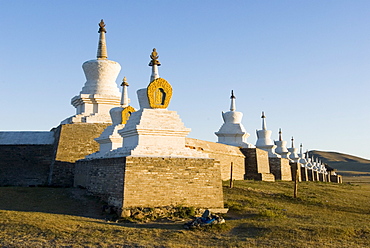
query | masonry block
[257, 164]
[304, 174]
[296, 171]
[280, 168]
[153, 181]
[225, 154]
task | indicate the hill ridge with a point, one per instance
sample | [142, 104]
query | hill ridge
[342, 161]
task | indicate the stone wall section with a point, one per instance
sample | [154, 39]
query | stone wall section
[72, 142]
[76, 140]
[280, 168]
[310, 175]
[152, 181]
[336, 178]
[103, 177]
[296, 171]
[164, 181]
[328, 177]
[25, 165]
[257, 165]
[315, 175]
[304, 173]
[225, 154]
[322, 177]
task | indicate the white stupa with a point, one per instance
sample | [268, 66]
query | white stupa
[293, 152]
[232, 132]
[264, 140]
[281, 148]
[321, 166]
[153, 130]
[100, 93]
[314, 163]
[302, 157]
[110, 139]
[309, 164]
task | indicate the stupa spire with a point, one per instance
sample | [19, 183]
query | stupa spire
[124, 99]
[232, 106]
[281, 148]
[154, 63]
[264, 127]
[292, 142]
[102, 46]
[100, 92]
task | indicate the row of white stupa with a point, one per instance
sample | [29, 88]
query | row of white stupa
[232, 132]
[101, 102]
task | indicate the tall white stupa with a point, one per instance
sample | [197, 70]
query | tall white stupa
[264, 140]
[309, 163]
[281, 148]
[232, 131]
[302, 157]
[100, 93]
[293, 152]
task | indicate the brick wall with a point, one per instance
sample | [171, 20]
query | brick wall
[304, 173]
[280, 168]
[72, 142]
[153, 181]
[336, 178]
[103, 177]
[296, 171]
[257, 165]
[25, 165]
[225, 154]
[310, 175]
[76, 140]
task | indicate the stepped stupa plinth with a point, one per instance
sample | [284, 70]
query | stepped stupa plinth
[110, 139]
[153, 130]
[100, 93]
[264, 140]
[281, 148]
[232, 131]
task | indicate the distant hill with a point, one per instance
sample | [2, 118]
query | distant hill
[342, 162]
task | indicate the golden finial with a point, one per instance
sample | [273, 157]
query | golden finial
[124, 82]
[263, 115]
[102, 26]
[154, 56]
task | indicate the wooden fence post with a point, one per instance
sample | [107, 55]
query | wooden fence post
[231, 176]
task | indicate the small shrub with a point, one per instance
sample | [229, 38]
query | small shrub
[184, 212]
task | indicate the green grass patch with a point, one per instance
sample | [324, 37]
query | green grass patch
[261, 214]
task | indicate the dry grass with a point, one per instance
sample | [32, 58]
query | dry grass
[261, 215]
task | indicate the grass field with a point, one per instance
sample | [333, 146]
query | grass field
[261, 214]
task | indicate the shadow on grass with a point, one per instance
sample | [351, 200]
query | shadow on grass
[66, 201]
[151, 225]
[247, 230]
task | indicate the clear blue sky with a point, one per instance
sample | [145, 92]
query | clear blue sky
[305, 63]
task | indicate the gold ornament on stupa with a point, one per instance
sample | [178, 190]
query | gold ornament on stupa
[159, 91]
